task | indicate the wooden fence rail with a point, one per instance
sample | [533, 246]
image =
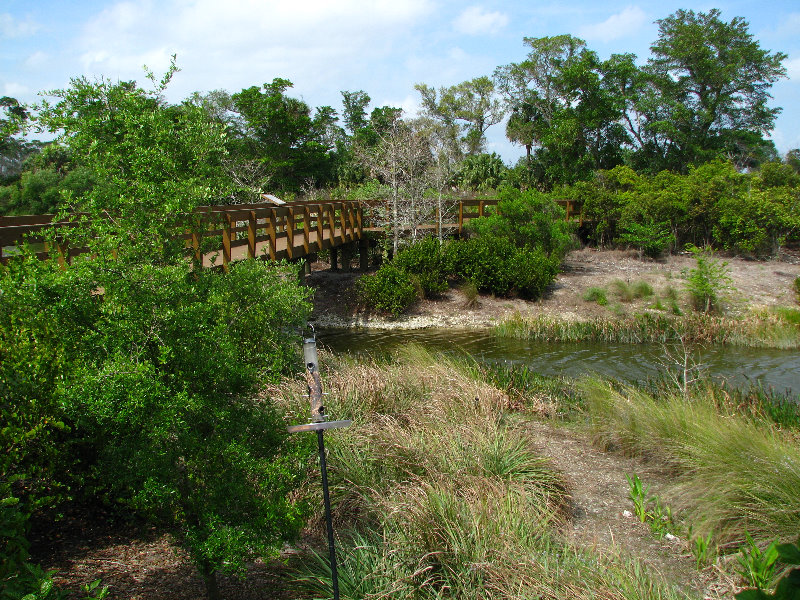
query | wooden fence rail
[222, 234]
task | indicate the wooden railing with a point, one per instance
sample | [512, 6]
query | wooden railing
[265, 230]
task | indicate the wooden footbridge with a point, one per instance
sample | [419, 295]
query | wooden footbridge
[234, 232]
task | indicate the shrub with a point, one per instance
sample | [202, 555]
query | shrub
[390, 289]
[796, 288]
[650, 238]
[596, 294]
[425, 259]
[532, 272]
[708, 281]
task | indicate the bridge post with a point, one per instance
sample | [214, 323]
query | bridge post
[347, 257]
[226, 242]
[334, 259]
[252, 224]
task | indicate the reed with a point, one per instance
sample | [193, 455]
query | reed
[764, 330]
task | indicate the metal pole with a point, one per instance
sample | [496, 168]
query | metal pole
[319, 423]
[328, 520]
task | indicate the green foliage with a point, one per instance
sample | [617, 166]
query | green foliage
[650, 238]
[708, 281]
[389, 289]
[788, 587]
[757, 566]
[137, 367]
[156, 164]
[702, 549]
[796, 289]
[279, 133]
[596, 294]
[710, 84]
[528, 219]
[480, 172]
[425, 259]
[638, 494]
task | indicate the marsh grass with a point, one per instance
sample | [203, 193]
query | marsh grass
[733, 472]
[438, 492]
[596, 294]
[630, 291]
[764, 330]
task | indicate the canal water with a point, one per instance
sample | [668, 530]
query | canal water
[740, 367]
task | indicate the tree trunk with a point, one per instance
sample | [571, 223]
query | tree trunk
[210, 579]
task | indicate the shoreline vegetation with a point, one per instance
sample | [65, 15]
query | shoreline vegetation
[763, 330]
[438, 488]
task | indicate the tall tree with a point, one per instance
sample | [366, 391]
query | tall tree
[563, 110]
[471, 105]
[710, 89]
[292, 144]
[355, 110]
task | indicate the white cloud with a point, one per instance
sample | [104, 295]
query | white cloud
[37, 59]
[13, 28]
[619, 25]
[476, 21]
[15, 90]
[221, 44]
[793, 68]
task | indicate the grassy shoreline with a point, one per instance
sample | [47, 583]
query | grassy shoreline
[439, 493]
[756, 330]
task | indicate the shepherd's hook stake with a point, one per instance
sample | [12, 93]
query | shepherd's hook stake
[319, 423]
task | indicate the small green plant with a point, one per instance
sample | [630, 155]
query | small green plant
[702, 550]
[642, 289]
[796, 288]
[638, 495]
[708, 282]
[623, 290]
[788, 588]
[757, 566]
[661, 520]
[788, 314]
[596, 294]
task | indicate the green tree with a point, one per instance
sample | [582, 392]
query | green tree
[154, 379]
[565, 109]
[709, 90]
[470, 105]
[293, 145]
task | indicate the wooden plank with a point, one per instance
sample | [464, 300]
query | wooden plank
[226, 242]
[306, 228]
[252, 228]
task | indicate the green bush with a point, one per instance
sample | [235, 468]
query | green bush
[390, 289]
[425, 259]
[485, 261]
[708, 282]
[139, 393]
[529, 220]
[532, 272]
[596, 294]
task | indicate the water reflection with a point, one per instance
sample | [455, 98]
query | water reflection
[779, 369]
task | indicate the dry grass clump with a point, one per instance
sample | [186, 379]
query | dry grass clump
[438, 493]
[734, 472]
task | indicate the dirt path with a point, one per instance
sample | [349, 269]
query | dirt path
[602, 516]
[757, 284]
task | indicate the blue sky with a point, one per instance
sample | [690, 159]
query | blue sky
[382, 47]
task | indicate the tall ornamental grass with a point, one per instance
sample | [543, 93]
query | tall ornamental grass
[438, 492]
[733, 473]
